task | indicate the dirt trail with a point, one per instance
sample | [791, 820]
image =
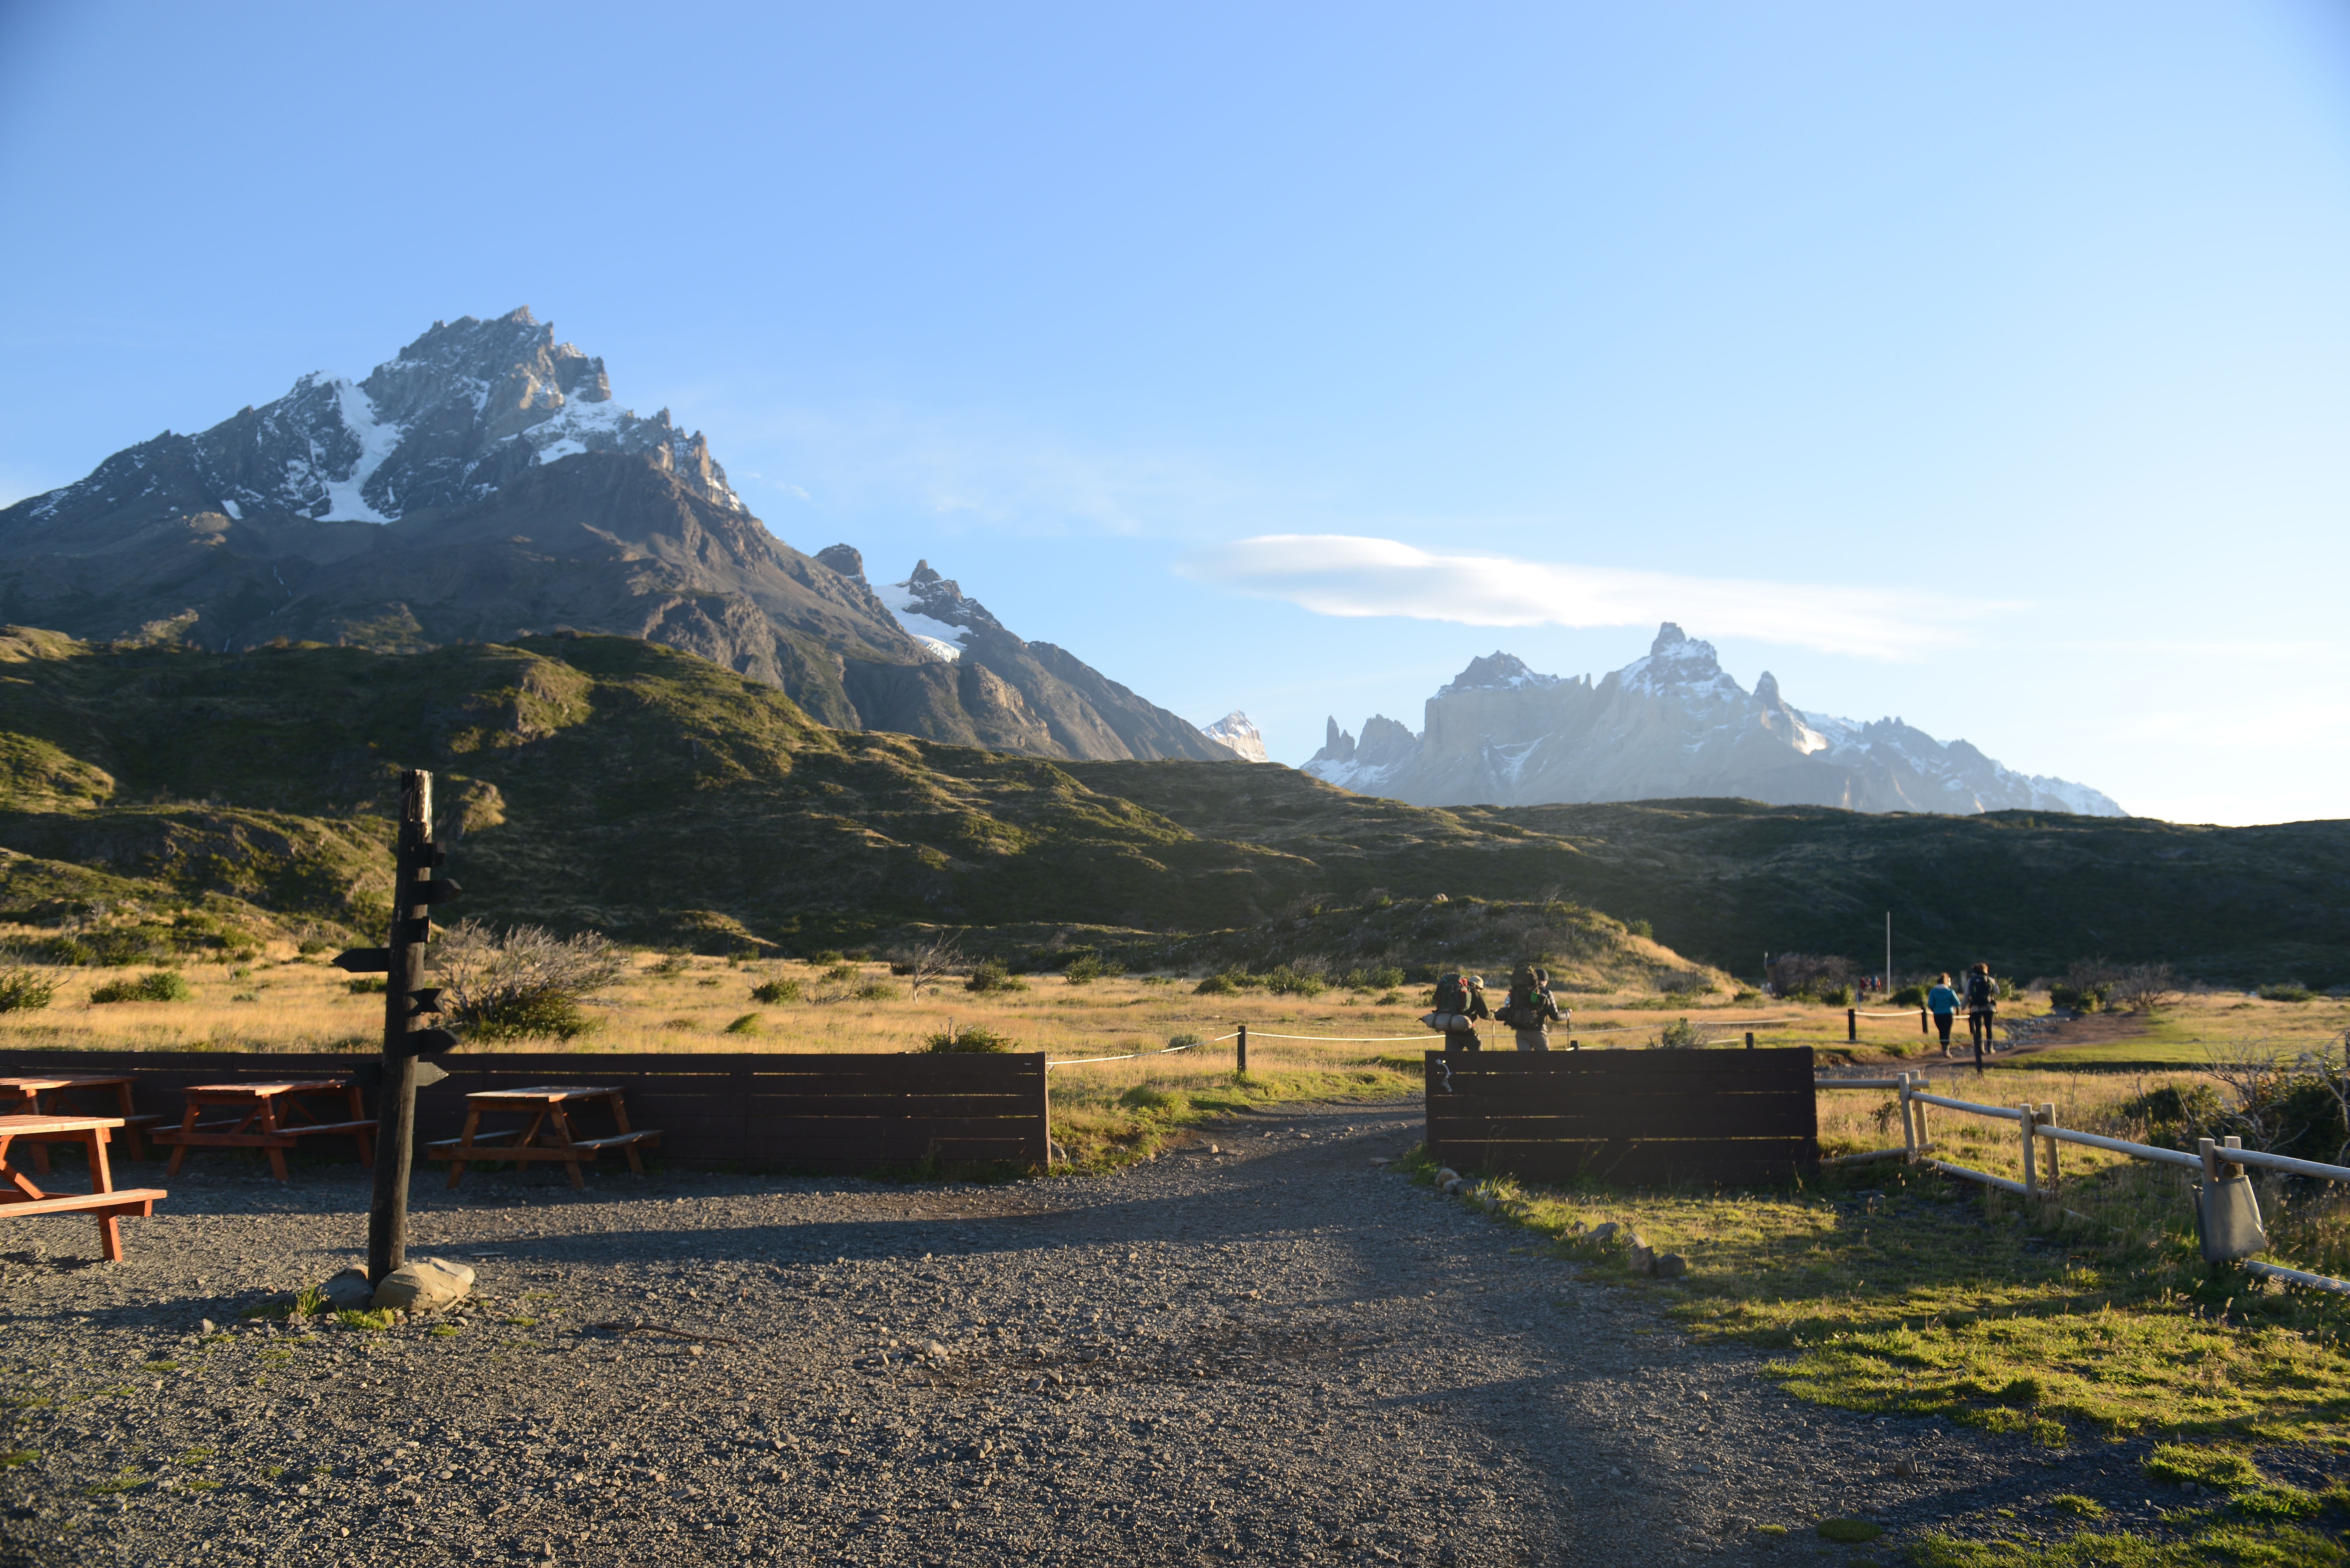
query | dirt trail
[1275, 1353]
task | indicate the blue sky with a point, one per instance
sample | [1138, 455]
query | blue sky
[1985, 364]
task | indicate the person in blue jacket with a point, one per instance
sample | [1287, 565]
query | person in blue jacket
[1943, 1003]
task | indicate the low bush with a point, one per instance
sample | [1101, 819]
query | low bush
[990, 975]
[2079, 998]
[978, 1038]
[1680, 1034]
[1287, 980]
[2287, 993]
[157, 985]
[876, 991]
[70, 950]
[24, 989]
[829, 956]
[772, 992]
[368, 985]
[1184, 1042]
[1092, 967]
[1386, 977]
[1912, 995]
[526, 984]
[746, 1025]
[1835, 996]
[843, 971]
[1227, 984]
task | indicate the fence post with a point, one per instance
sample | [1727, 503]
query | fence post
[1749, 1040]
[2231, 1141]
[1921, 1022]
[2207, 1150]
[1852, 1025]
[2055, 1170]
[2031, 1131]
[1908, 1134]
[1242, 1066]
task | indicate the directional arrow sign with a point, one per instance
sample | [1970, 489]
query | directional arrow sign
[423, 1043]
[364, 960]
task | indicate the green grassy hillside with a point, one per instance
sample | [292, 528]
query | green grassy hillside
[604, 782]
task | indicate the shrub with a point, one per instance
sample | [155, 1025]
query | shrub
[2148, 987]
[843, 971]
[527, 983]
[2287, 993]
[118, 949]
[1641, 928]
[990, 975]
[746, 1025]
[157, 985]
[829, 956]
[1911, 995]
[368, 985]
[1092, 967]
[1143, 1097]
[23, 988]
[1385, 977]
[1836, 996]
[1285, 980]
[671, 963]
[1224, 985]
[1184, 1042]
[1680, 1034]
[2078, 998]
[772, 992]
[876, 991]
[64, 950]
[978, 1038]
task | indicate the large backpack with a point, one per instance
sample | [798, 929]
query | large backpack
[1982, 993]
[1452, 994]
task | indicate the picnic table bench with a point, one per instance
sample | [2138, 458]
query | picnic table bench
[268, 1116]
[104, 1201]
[54, 1094]
[542, 1103]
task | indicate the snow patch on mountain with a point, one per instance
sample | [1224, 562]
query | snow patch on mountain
[1235, 731]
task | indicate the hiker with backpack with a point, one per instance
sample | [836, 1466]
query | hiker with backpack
[1460, 1002]
[1982, 1002]
[1530, 1008]
[1943, 1003]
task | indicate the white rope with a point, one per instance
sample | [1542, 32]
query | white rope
[1131, 1055]
[1341, 1039]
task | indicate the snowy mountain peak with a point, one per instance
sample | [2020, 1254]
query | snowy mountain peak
[1235, 731]
[465, 407]
[1497, 671]
[934, 609]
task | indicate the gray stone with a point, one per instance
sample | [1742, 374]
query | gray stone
[1670, 1265]
[424, 1285]
[1604, 1233]
[1643, 1257]
[1446, 1176]
[349, 1292]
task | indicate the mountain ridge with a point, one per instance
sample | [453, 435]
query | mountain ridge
[484, 484]
[1670, 724]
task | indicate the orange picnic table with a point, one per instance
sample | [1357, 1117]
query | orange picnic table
[19, 1197]
[537, 1140]
[269, 1116]
[55, 1096]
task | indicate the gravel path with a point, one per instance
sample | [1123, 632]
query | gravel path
[1273, 1353]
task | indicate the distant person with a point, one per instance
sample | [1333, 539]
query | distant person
[1943, 1003]
[1460, 1002]
[1982, 1002]
[1530, 1009]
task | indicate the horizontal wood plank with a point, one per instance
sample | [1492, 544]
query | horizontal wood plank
[1727, 1161]
[1766, 1116]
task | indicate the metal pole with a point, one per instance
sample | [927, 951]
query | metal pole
[1888, 952]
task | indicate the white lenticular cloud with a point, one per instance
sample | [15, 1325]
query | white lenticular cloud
[1348, 575]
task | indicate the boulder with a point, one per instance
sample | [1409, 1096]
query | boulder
[1643, 1259]
[1603, 1234]
[427, 1284]
[349, 1292]
[1670, 1265]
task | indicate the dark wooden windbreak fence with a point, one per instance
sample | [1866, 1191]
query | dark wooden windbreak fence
[833, 1113]
[1648, 1117]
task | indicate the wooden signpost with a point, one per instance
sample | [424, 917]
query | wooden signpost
[406, 1004]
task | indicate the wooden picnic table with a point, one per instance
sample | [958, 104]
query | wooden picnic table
[19, 1197]
[55, 1096]
[543, 1104]
[269, 1116]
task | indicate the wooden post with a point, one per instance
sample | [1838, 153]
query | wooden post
[1909, 1133]
[1242, 1053]
[1921, 1022]
[2031, 1137]
[1852, 1025]
[2055, 1181]
[1925, 1139]
[2208, 1151]
[405, 1005]
[1749, 1040]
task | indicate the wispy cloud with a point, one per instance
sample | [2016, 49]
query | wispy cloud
[1348, 575]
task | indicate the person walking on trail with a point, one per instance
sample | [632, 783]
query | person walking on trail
[1982, 1002]
[1943, 1003]
[1530, 1008]
[1460, 1002]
